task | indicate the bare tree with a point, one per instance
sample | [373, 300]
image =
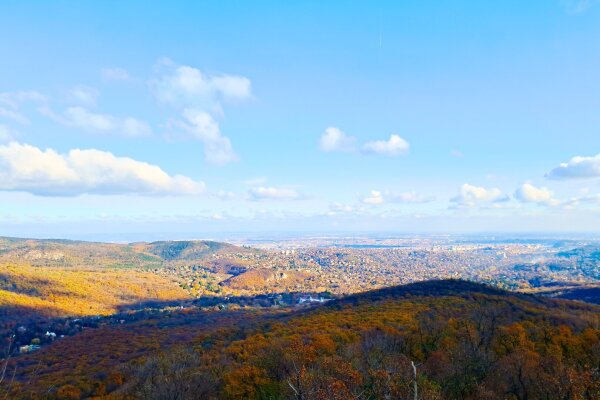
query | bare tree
[415, 384]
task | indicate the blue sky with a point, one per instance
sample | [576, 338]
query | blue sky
[195, 118]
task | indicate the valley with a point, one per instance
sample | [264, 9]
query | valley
[72, 311]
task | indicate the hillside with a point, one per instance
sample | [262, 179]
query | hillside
[47, 278]
[467, 341]
[199, 267]
[192, 250]
[57, 278]
[30, 293]
[69, 253]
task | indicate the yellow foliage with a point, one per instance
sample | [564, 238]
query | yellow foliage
[61, 291]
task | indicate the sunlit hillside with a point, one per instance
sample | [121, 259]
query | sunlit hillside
[33, 292]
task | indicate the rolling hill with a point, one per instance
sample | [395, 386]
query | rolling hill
[33, 293]
[192, 250]
[466, 341]
[47, 278]
[69, 253]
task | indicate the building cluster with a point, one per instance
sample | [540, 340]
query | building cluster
[343, 269]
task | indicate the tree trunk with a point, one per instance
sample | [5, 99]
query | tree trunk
[416, 394]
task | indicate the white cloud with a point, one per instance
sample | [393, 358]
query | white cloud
[339, 209]
[527, 193]
[14, 99]
[202, 126]
[589, 199]
[577, 168]
[231, 87]
[199, 97]
[83, 95]
[272, 193]
[46, 172]
[470, 196]
[188, 86]
[11, 102]
[376, 197]
[335, 140]
[394, 146]
[13, 115]
[82, 118]
[115, 74]
[133, 127]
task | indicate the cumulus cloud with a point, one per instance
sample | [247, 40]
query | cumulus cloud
[376, 197]
[188, 86]
[394, 146]
[115, 74]
[333, 139]
[272, 193]
[203, 127]
[49, 173]
[199, 96]
[82, 118]
[470, 196]
[577, 168]
[527, 193]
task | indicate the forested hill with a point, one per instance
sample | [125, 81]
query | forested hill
[48, 278]
[437, 287]
[466, 340]
[192, 249]
[66, 253]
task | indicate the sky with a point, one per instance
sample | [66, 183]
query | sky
[143, 119]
